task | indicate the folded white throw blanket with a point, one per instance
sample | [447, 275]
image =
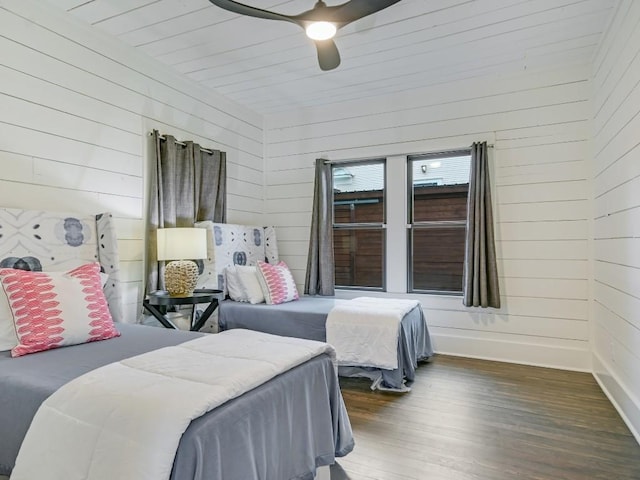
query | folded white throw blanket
[364, 331]
[125, 420]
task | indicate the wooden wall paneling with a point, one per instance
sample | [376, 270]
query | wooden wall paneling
[439, 110]
[623, 251]
[617, 303]
[609, 70]
[149, 82]
[570, 329]
[287, 205]
[76, 109]
[469, 124]
[616, 212]
[626, 168]
[536, 173]
[543, 249]
[537, 211]
[558, 269]
[540, 124]
[559, 288]
[556, 230]
[619, 224]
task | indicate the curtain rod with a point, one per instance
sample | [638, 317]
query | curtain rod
[202, 149]
[372, 159]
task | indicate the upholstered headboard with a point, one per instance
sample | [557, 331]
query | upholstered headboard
[49, 241]
[229, 244]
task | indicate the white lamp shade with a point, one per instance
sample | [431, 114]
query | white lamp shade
[182, 243]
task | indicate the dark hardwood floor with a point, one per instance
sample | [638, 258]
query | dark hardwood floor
[474, 419]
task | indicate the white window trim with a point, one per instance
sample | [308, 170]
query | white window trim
[396, 228]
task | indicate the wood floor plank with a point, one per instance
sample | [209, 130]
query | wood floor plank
[468, 419]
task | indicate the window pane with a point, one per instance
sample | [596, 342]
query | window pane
[359, 257]
[439, 188]
[358, 193]
[437, 258]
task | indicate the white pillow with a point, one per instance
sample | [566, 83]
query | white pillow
[243, 284]
[248, 277]
[234, 287]
[8, 336]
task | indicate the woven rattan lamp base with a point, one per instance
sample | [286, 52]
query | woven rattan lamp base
[180, 278]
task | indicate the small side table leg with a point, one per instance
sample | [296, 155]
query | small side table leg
[158, 315]
[205, 315]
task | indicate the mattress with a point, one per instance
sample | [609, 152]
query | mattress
[300, 410]
[306, 318]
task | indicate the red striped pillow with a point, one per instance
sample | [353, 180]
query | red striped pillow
[277, 283]
[55, 309]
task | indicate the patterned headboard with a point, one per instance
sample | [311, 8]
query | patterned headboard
[229, 244]
[49, 241]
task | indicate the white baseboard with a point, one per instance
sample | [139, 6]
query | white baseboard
[625, 403]
[539, 355]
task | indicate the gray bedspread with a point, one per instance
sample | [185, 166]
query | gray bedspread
[283, 429]
[306, 318]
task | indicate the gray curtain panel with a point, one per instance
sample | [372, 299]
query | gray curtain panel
[187, 185]
[320, 279]
[481, 287]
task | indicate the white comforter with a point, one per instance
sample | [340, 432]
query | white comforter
[364, 331]
[124, 420]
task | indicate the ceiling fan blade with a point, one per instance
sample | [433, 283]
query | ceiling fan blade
[328, 55]
[356, 9]
[251, 11]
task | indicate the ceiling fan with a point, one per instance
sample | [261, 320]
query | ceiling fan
[321, 22]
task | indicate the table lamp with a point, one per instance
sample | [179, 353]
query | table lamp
[182, 245]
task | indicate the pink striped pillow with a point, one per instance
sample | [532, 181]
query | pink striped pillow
[277, 283]
[55, 309]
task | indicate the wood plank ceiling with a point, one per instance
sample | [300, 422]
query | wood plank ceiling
[271, 66]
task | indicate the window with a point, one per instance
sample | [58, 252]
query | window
[359, 224]
[399, 223]
[438, 191]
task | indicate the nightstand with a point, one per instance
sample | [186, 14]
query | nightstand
[160, 298]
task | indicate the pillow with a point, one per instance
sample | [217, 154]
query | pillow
[55, 309]
[243, 284]
[234, 288]
[248, 277]
[8, 337]
[277, 283]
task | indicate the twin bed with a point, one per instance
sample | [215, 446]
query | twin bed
[301, 411]
[230, 245]
[284, 428]
[307, 317]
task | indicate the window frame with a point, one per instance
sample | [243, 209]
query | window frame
[365, 225]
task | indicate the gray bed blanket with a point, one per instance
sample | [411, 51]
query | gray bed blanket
[250, 437]
[306, 318]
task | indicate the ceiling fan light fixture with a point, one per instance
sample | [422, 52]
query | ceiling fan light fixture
[321, 30]
[320, 23]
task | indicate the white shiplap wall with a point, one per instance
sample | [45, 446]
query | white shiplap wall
[540, 124]
[616, 224]
[75, 110]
